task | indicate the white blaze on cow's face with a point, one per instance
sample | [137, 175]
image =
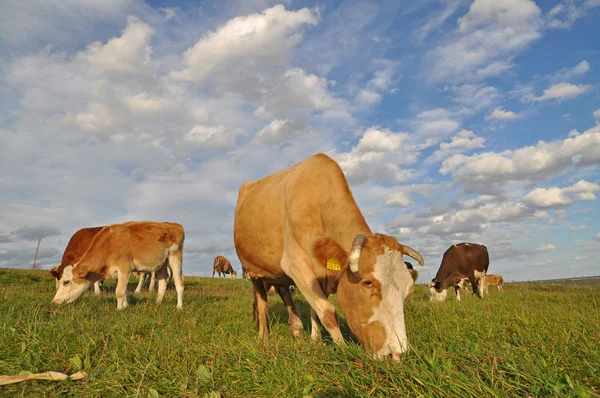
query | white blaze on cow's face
[373, 302]
[434, 295]
[70, 287]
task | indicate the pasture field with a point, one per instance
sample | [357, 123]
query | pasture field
[533, 340]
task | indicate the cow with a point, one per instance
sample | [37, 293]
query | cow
[124, 248]
[143, 276]
[222, 266]
[464, 260]
[78, 244]
[301, 226]
[245, 273]
[494, 280]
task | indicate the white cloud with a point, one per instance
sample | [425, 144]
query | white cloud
[570, 73]
[377, 155]
[266, 37]
[464, 139]
[211, 137]
[398, 199]
[278, 131]
[143, 103]
[597, 237]
[527, 163]
[565, 14]
[506, 12]
[500, 113]
[580, 227]
[557, 197]
[488, 37]
[546, 247]
[559, 91]
[97, 118]
[129, 53]
[596, 114]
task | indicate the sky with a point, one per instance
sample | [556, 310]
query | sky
[453, 121]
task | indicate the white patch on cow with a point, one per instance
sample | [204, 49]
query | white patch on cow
[467, 244]
[173, 248]
[434, 295]
[69, 291]
[395, 281]
[479, 275]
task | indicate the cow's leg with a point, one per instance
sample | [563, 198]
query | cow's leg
[259, 307]
[294, 320]
[152, 286]
[175, 263]
[97, 289]
[482, 286]
[457, 290]
[121, 290]
[475, 286]
[315, 330]
[500, 287]
[161, 275]
[142, 276]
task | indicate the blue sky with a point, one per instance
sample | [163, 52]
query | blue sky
[453, 121]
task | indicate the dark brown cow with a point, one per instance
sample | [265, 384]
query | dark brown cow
[465, 260]
[78, 244]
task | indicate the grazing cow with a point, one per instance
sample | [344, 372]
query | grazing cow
[465, 260]
[495, 280]
[122, 249]
[222, 266]
[301, 226]
[143, 276]
[78, 244]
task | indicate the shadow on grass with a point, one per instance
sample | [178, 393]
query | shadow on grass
[277, 313]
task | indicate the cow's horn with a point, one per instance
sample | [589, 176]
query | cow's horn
[357, 245]
[409, 251]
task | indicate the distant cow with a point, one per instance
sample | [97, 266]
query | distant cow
[495, 280]
[143, 276]
[78, 244]
[465, 260]
[123, 249]
[301, 226]
[222, 266]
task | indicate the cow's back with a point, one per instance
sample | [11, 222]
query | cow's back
[308, 200]
[476, 256]
[78, 244]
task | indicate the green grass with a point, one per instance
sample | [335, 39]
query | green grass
[533, 340]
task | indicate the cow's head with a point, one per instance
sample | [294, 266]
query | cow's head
[437, 292]
[72, 284]
[373, 284]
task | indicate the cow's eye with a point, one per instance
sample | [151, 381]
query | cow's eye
[66, 282]
[367, 282]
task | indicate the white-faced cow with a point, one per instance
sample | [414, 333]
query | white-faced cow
[78, 244]
[465, 260]
[302, 226]
[122, 249]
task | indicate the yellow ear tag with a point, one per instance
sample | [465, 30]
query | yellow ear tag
[333, 264]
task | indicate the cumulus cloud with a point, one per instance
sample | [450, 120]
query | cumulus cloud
[546, 247]
[557, 197]
[266, 37]
[211, 137]
[463, 141]
[383, 79]
[500, 113]
[528, 163]
[559, 91]
[570, 73]
[596, 115]
[580, 227]
[487, 39]
[129, 53]
[402, 196]
[434, 125]
[279, 131]
[377, 155]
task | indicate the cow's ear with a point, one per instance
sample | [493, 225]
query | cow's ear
[81, 270]
[414, 274]
[54, 272]
[329, 254]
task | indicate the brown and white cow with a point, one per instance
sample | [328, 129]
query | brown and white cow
[122, 249]
[495, 280]
[302, 226]
[222, 266]
[465, 260]
[78, 244]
